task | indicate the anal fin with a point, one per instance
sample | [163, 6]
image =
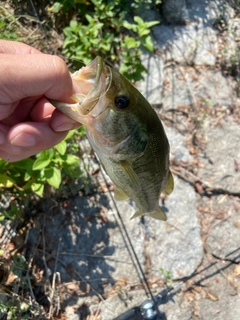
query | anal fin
[119, 195]
[159, 214]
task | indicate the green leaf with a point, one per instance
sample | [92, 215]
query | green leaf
[48, 153]
[138, 20]
[131, 42]
[27, 176]
[89, 18]
[24, 164]
[41, 163]
[73, 25]
[61, 147]
[6, 181]
[53, 177]
[143, 32]
[72, 160]
[57, 6]
[148, 44]
[130, 26]
[151, 23]
[37, 188]
[69, 135]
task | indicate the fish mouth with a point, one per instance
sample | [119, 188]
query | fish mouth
[94, 81]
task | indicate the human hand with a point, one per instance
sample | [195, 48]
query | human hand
[28, 121]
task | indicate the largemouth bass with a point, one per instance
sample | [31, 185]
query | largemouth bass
[126, 133]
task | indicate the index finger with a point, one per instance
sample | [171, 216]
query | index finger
[14, 47]
[33, 75]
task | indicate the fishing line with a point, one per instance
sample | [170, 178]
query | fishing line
[41, 26]
[143, 279]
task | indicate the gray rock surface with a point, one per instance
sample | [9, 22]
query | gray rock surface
[221, 155]
[152, 87]
[206, 11]
[180, 235]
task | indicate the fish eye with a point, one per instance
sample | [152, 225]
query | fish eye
[122, 102]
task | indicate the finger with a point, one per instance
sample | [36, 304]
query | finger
[60, 122]
[25, 140]
[32, 75]
[20, 113]
[41, 110]
[13, 47]
[6, 149]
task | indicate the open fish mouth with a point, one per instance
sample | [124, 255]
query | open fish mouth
[94, 81]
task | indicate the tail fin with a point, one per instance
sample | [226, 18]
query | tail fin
[159, 214]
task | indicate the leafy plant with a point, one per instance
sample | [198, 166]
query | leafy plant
[8, 25]
[167, 277]
[47, 167]
[105, 31]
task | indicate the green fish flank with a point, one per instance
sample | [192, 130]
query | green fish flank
[126, 134]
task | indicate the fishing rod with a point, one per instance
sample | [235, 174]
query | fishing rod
[147, 309]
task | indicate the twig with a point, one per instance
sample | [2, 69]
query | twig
[54, 282]
[191, 178]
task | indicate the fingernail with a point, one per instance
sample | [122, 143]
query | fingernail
[23, 140]
[65, 127]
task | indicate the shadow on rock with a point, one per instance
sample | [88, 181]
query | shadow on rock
[69, 246]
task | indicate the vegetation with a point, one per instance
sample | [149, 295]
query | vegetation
[105, 28]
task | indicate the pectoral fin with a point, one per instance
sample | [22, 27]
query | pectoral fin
[119, 195]
[128, 169]
[170, 185]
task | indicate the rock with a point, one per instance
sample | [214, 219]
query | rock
[151, 87]
[176, 246]
[219, 297]
[234, 28]
[183, 88]
[115, 306]
[194, 43]
[221, 155]
[209, 11]
[175, 12]
[204, 11]
[227, 225]
[178, 149]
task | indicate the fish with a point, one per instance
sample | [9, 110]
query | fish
[126, 134]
